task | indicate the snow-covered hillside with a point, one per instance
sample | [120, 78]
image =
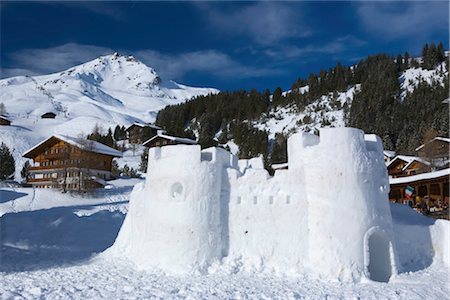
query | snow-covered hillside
[411, 77]
[107, 91]
[328, 110]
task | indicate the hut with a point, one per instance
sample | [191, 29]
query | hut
[48, 115]
[138, 133]
[161, 139]
[4, 121]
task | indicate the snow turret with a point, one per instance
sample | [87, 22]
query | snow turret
[349, 219]
[174, 220]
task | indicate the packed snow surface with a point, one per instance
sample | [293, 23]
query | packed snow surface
[48, 250]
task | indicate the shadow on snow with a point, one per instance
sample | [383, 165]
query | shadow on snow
[6, 196]
[41, 239]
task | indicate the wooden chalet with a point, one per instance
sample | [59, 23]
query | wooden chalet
[388, 155]
[428, 190]
[161, 139]
[4, 121]
[70, 163]
[438, 151]
[48, 115]
[138, 133]
[403, 165]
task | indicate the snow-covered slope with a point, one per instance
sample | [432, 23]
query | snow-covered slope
[411, 77]
[110, 88]
[107, 91]
[326, 111]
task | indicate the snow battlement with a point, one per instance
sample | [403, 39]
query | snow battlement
[204, 207]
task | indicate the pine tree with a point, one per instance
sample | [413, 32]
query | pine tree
[406, 64]
[277, 95]
[25, 172]
[144, 161]
[425, 56]
[440, 52]
[400, 66]
[7, 167]
[2, 109]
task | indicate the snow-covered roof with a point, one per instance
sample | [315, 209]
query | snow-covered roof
[171, 138]
[4, 117]
[406, 158]
[389, 153]
[144, 125]
[438, 138]
[280, 166]
[83, 144]
[423, 176]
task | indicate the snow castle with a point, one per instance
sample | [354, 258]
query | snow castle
[327, 214]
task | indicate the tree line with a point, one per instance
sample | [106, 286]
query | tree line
[376, 108]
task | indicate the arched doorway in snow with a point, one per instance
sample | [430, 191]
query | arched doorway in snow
[378, 256]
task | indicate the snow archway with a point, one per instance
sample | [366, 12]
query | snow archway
[378, 256]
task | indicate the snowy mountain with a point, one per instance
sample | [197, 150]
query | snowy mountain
[107, 91]
[114, 88]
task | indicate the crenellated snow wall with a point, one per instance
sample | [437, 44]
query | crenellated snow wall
[327, 214]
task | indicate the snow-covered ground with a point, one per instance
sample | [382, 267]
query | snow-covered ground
[50, 244]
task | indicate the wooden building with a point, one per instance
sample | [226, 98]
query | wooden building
[48, 115]
[4, 121]
[428, 190]
[161, 139]
[436, 151]
[138, 133]
[70, 163]
[403, 165]
[388, 156]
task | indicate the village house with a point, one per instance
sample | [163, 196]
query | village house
[161, 139]
[436, 151]
[48, 115]
[388, 156]
[4, 121]
[404, 165]
[427, 192]
[138, 133]
[70, 163]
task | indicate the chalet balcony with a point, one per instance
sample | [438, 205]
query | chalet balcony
[53, 167]
[40, 180]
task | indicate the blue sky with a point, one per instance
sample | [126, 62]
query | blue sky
[227, 45]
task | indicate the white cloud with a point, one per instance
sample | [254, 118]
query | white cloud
[55, 59]
[266, 23]
[11, 72]
[211, 62]
[337, 47]
[400, 19]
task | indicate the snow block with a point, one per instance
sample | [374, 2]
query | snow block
[328, 214]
